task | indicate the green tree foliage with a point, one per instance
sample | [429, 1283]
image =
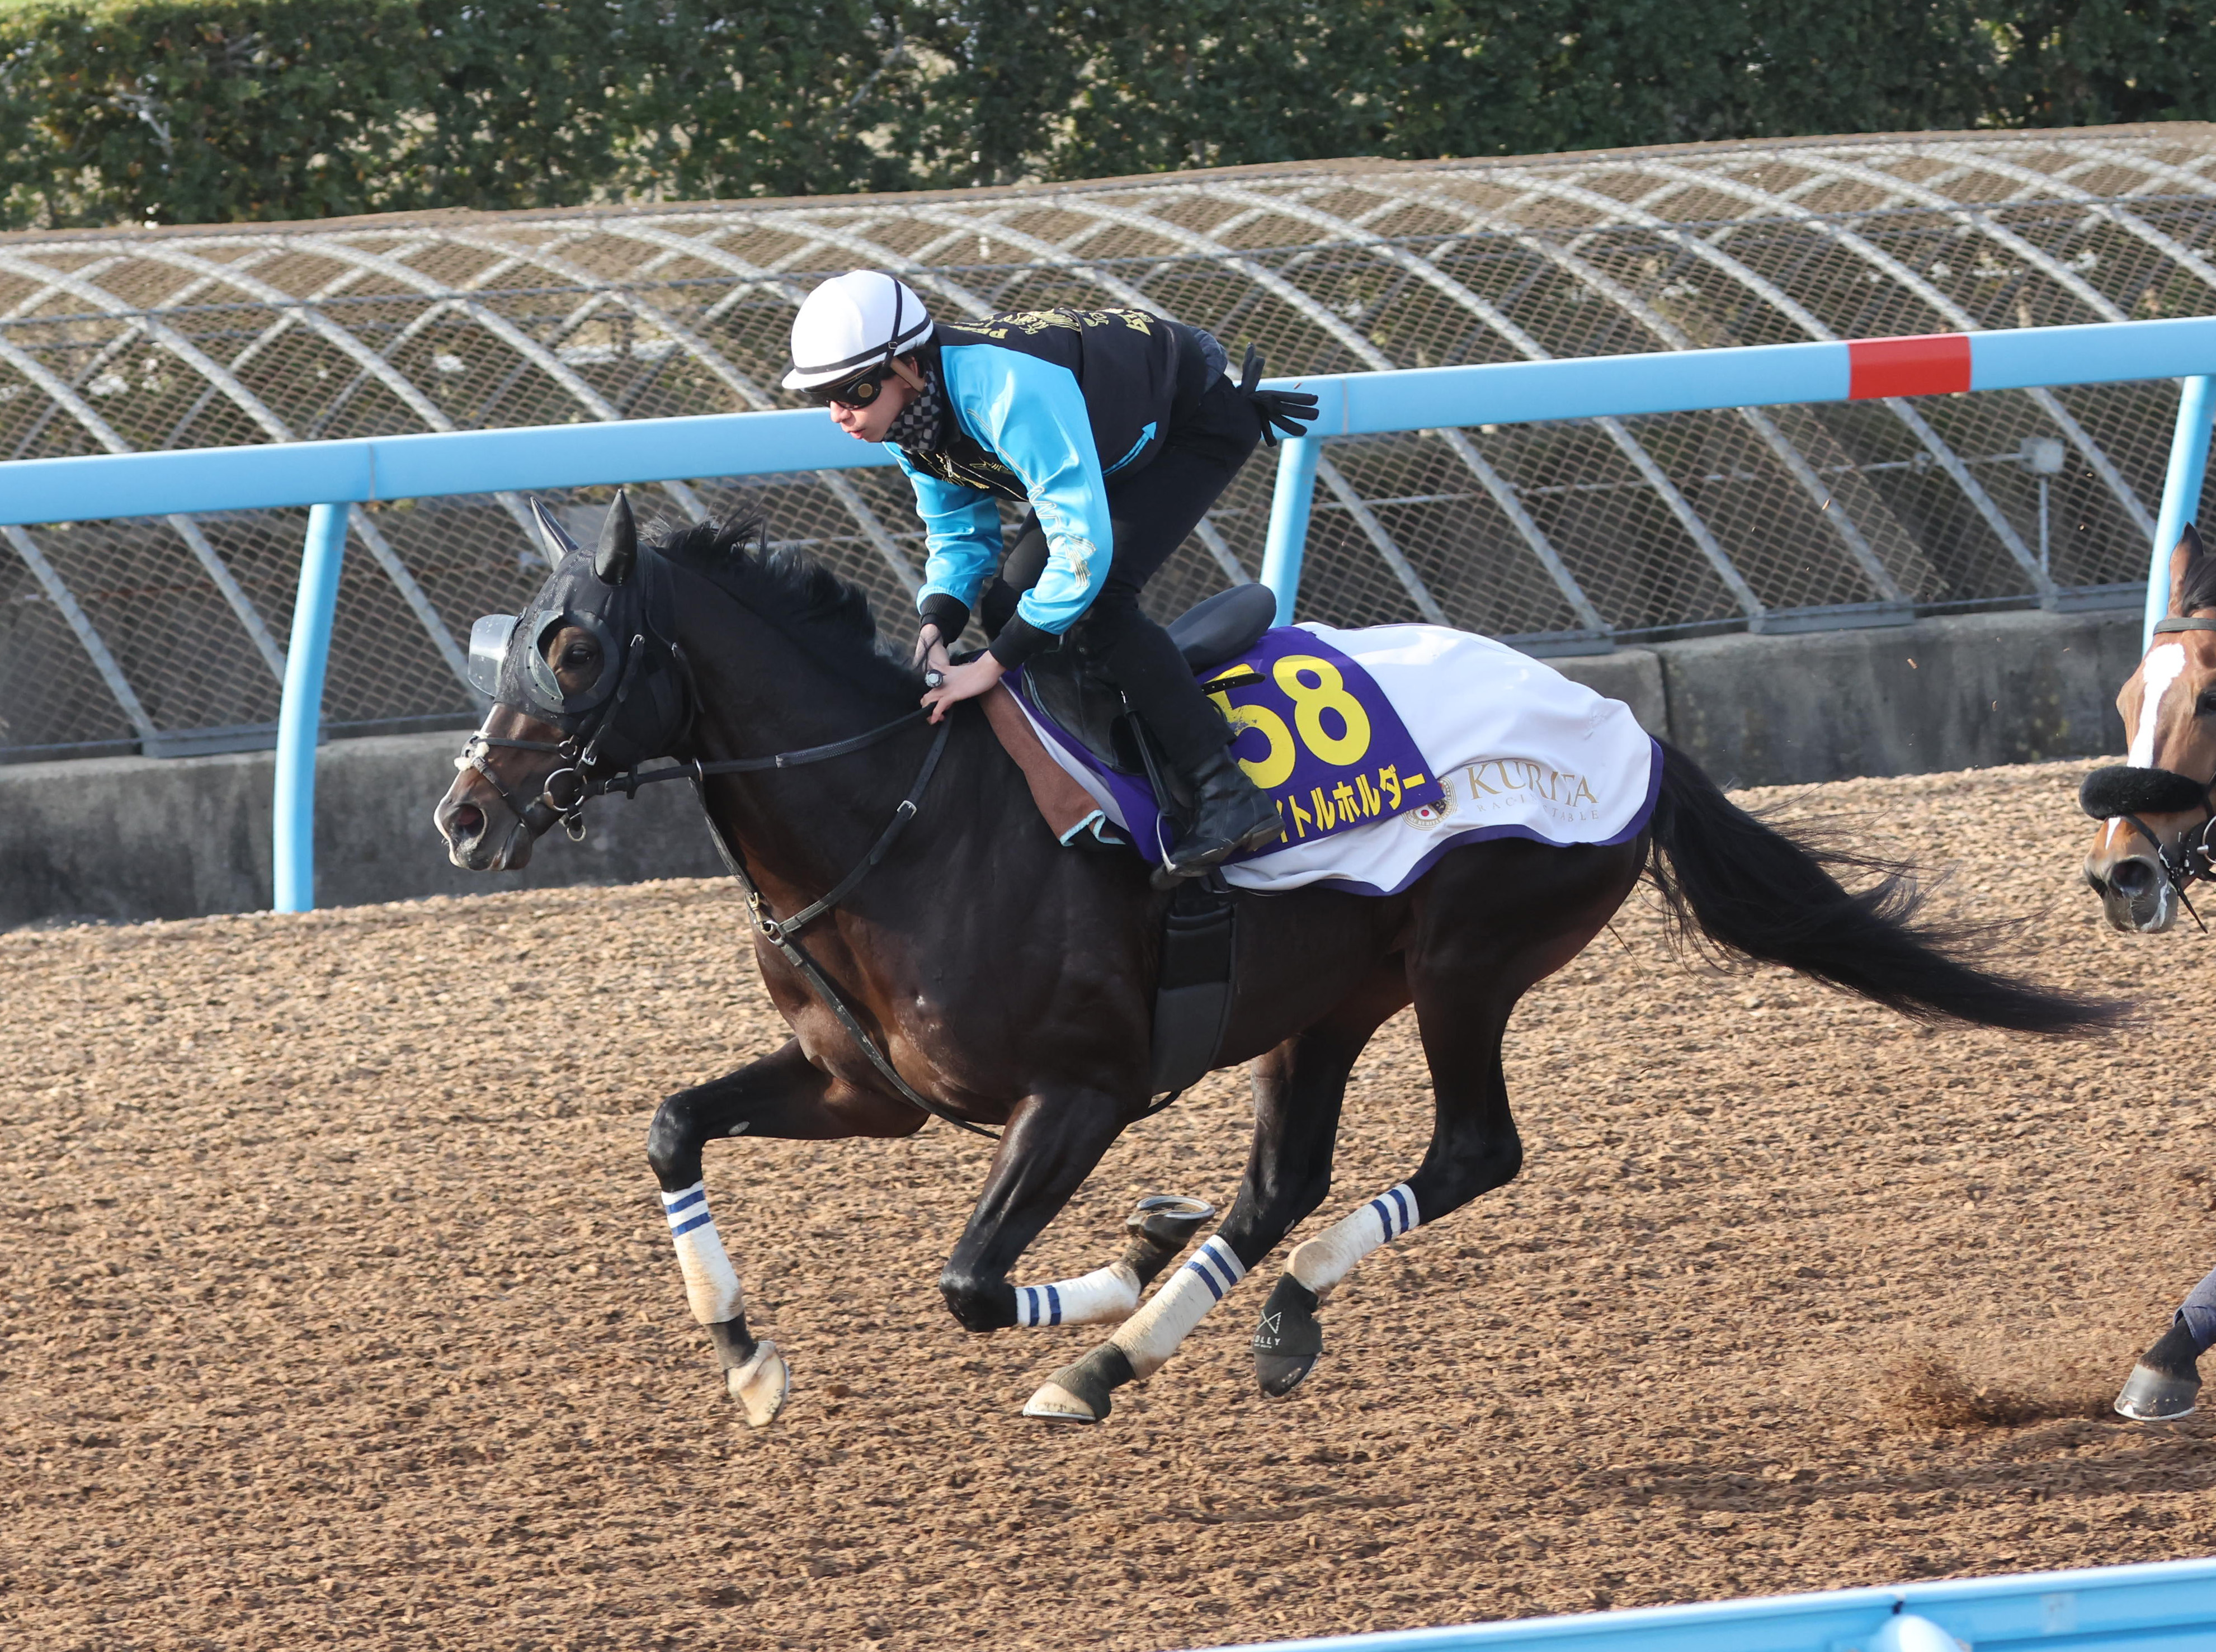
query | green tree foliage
[159, 110]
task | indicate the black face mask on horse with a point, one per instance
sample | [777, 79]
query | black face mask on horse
[588, 657]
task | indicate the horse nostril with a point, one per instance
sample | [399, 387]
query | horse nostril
[2134, 878]
[467, 820]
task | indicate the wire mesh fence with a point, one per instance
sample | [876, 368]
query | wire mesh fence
[167, 635]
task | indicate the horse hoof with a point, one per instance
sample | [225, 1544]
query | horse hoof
[1081, 1392]
[1055, 1403]
[2151, 1395]
[1161, 1225]
[1279, 1377]
[1289, 1341]
[761, 1384]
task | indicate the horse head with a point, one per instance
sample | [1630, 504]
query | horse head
[2154, 808]
[584, 684]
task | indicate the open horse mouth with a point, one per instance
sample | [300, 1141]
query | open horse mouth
[471, 842]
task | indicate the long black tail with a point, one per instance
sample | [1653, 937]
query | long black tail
[1750, 889]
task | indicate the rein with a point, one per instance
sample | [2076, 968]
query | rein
[579, 751]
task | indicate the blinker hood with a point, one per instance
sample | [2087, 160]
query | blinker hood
[508, 653]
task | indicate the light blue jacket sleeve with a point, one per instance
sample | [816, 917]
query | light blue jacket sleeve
[961, 535]
[1032, 413]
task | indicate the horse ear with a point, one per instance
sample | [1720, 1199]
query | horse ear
[2183, 561]
[551, 533]
[619, 549]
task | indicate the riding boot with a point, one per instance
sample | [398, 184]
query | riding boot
[1230, 814]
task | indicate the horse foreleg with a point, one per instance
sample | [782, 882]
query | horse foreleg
[2165, 1384]
[1298, 1087]
[783, 1095]
[1050, 1147]
[1159, 1226]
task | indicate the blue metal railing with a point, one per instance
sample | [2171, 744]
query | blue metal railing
[2169, 1604]
[328, 476]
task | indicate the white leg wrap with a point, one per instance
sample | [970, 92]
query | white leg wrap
[1105, 1294]
[1152, 1335]
[1330, 1256]
[711, 1284]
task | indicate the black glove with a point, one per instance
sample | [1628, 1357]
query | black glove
[949, 614]
[1289, 411]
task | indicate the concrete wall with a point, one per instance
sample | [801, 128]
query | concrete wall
[139, 837]
[1942, 694]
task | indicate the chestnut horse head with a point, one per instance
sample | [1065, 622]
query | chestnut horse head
[2154, 808]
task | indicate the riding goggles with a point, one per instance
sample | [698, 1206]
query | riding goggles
[856, 392]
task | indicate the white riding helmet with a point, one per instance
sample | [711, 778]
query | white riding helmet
[853, 322]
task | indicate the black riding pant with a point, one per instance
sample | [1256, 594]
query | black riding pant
[1213, 429]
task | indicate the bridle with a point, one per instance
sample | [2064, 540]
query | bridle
[2194, 861]
[580, 750]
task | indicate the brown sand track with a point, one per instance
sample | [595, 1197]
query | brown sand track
[338, 1306]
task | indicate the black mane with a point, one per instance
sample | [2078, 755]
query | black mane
[784, 585]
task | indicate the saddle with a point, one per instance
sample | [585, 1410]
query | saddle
[1068, 689]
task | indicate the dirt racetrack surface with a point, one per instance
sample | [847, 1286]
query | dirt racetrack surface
[339, 1307]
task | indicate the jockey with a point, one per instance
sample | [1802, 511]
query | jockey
[1118, 429]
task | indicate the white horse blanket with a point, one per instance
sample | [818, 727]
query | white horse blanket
[1517, 750]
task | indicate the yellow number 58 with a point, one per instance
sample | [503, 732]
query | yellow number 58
[1328, 693]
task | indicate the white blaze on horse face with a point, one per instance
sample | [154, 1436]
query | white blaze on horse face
[1106, 1293]
[711, 1284]
[1330, 1256]
[2162, 667]
[1149, 1336]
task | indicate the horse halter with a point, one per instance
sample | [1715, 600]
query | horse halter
[2122, 792]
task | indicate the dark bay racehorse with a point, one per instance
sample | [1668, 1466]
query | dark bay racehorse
[1006, 981]
[2155, 841]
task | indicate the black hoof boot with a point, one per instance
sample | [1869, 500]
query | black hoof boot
[1230, 814]
[1161, 1225]
[1080, 1392]
[2165, 1384]
[1289, 1342]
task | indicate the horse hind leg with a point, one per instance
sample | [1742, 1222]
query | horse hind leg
[1159, 1226]
[2165, 1384]
[1474, 1149]
[1298, 1087]
[1490, 924]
